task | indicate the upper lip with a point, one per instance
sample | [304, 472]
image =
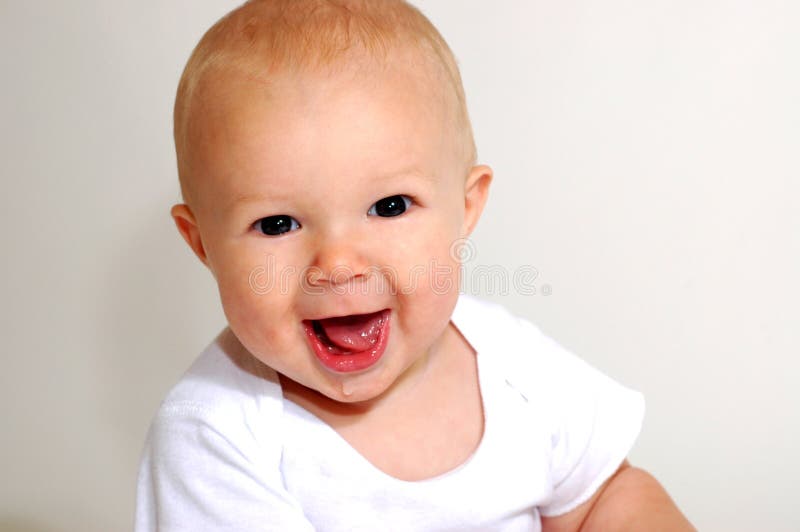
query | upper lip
[339, 315]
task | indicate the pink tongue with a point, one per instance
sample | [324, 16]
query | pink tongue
[354, 333]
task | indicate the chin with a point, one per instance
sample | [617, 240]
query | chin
[360, 389]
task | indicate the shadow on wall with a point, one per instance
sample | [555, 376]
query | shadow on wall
[158, 311]
[18, 524]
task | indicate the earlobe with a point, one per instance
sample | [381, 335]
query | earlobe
[187, 227]
[476, 192]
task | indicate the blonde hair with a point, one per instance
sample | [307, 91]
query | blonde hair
[267, 37]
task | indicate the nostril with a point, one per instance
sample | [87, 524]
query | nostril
[342, 274]
[338, 275]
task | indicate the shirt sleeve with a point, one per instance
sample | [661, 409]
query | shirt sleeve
[594, 423]
[201, 471]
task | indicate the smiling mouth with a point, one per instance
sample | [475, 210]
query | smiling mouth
[346, 344]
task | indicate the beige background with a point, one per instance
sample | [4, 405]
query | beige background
[647, 166]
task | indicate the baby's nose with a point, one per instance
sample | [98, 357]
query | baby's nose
[338, 261]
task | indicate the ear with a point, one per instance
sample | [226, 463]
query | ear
[187, 227]
[476, 192]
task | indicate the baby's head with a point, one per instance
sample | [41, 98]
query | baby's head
[327, 167]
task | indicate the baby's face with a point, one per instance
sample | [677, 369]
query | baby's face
[324, 198]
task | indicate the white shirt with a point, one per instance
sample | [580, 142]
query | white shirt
[227, 452]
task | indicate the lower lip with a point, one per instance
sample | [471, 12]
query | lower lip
[351, 362]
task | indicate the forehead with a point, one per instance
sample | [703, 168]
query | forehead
[301, 128]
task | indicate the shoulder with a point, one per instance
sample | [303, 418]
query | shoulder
[224, 370]
[530, 360]
[505, 340]
[490, 327]
[592, 421]
[226, 391]
[212, 459]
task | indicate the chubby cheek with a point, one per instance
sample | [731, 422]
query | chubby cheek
[428, 289]
[258, 309]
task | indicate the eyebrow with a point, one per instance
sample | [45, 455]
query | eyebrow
[407, 172]
[246, 198]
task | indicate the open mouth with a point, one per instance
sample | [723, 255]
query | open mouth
[349, 343]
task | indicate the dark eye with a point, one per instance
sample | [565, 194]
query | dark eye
[391, 206]
[277, 225]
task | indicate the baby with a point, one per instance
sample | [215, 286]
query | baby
[327, 166]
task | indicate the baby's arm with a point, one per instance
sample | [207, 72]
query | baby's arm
[630, 500]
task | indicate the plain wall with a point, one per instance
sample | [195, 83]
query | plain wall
[647, 163]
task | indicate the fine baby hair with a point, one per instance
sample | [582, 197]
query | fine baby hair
[266, 38]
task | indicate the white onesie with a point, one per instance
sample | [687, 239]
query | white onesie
[227, 452]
